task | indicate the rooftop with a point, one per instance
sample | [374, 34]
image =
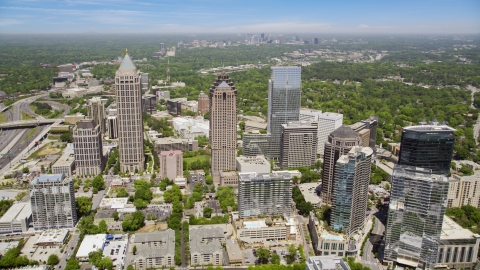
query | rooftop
[52, 236]
[345, 131]
[48, 178]
[171, 153]
[164, 243]
[251, 176]
[17, 211]
[127, 63]
[65, 160]
[427, 128]
[253, 160]
[113, 202]
[326, 262]
[451, 230]
[91, 243]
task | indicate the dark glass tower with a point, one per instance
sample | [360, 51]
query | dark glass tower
[428, 146]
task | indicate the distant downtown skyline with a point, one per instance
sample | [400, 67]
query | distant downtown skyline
[216, 16]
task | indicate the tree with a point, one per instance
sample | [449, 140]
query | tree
[106, 263]
[134, 250]
[130, 267]
[207, 212]
[115, 216]
[98, 182]
[387, 186]
[84, 205]
[292, 252]
[95, 257]
[263, 255]
[25, 170]
[102, 226]
[53, 260]
[209, 180]
[67, 137]
[122, 193]
[275, 259]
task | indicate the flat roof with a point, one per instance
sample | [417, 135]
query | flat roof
[254, 224]
[17, 211]
[333, 237]
[259, 160]
[451, 230]
[65, 160]
[53, 236]
[48, 178]
[114, 202]
[91, 243]
[233, 250]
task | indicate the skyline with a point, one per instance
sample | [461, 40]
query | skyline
[214, 16]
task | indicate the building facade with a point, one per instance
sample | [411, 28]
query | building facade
[350, 191]
[298, 144]
[339, 143]
[206, 245]
[171, 164]
[112, 127]
[256, 143]
[464, 190]
[64, 165]
[415, 216]
[223, 124]
[168, 144]
[154, 250]
[203, 103]
[262, 194]
[129, 114]
[87, 141]
[96, 112]
[327, 123]
[284, 92]
[428, 146]
[53, 202]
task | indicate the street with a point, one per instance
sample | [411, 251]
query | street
[373, 245]
[306, 247]
[70, 247]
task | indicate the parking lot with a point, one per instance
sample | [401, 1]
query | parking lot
[116, 250]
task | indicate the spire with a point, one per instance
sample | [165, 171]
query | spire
[126, 51]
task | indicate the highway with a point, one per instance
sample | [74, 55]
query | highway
[17, 148]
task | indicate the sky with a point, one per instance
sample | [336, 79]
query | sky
[239, 16]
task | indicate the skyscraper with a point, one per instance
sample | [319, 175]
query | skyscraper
[202, 103]
[261, 194]
[339, 143]
[96, 111]
[87, 142]
[298, 144]
[417, 205]
[129, 113]
[350, 196]
[53, 202]
[112, 127]
[255, 143]
[223, 124]
[428, 146]
[284, 92]
[327, 123]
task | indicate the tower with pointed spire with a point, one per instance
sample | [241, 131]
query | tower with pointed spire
[129, 115]
[223, 124]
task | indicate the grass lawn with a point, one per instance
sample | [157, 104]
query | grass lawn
[25, 116]
[3, 117]
[30, 134]
[199, 157]
[44, 151]
[54, 137]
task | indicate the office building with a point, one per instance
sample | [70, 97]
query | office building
[129, 116]
[256, 143]
[17, 218]
[64, 165]
[464, 190]
[162, 47]
[154, 249]
[223, 124]
[171, 164]
[326, 263]
[315, 41]
[87, 142]
[256, 164]
[327, 123]
[169, 143]
[458, 247]
[298, 144]
[417, 205]
[149, 104]
[254, 230]
[144, 82]
[96, 112]
[261, 194]
[367, 130]
[427, 146]
[350, 190]
[339, 143]
[53, 202]
[203, 103]
[112, 126]
[284, 92]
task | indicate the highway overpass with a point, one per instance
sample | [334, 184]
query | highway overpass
[28, 123]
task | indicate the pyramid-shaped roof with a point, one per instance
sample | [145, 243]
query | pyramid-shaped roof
[345, 131]
[127, 63]
[224, 85]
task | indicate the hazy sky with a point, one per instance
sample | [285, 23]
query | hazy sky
[228, 16]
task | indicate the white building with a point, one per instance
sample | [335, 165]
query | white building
[256, 164]
[65, 164]
[17, 218]
[190, 127]
[326, 263]
[327, 123]
[90, 243]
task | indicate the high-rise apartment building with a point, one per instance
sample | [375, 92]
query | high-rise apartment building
[261, 194]
[53, 202]
[129, 116]
[171, 164]
[284, 92]
[223, 124]
[327, 123]
[87, 141]
[298, 144]
[256, 143]
[427, 146]
[367, 130]
[202, 103]
[96, 112]
[162, 47]
[464, 190]
[339, 143]
[417, 205]
[112, 127]
[350, 191]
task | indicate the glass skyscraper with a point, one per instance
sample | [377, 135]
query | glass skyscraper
[284, 91]
[350, 196]
[428, 146]
[417, 205]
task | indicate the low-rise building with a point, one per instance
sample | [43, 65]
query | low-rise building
[326, 263]
[55, 237]
[206, 245]
[258, 164]
[234, 253]
[115, 249]
[104, 214]
[65, 164]
[260, 230]
[225, 178]
[254, 125]
[154, 250]
[168, 144]
[113, 203]
[91, 242]
[17, 218]
[73, 119]
[458, 247]
[191, 127]
[327, 242]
